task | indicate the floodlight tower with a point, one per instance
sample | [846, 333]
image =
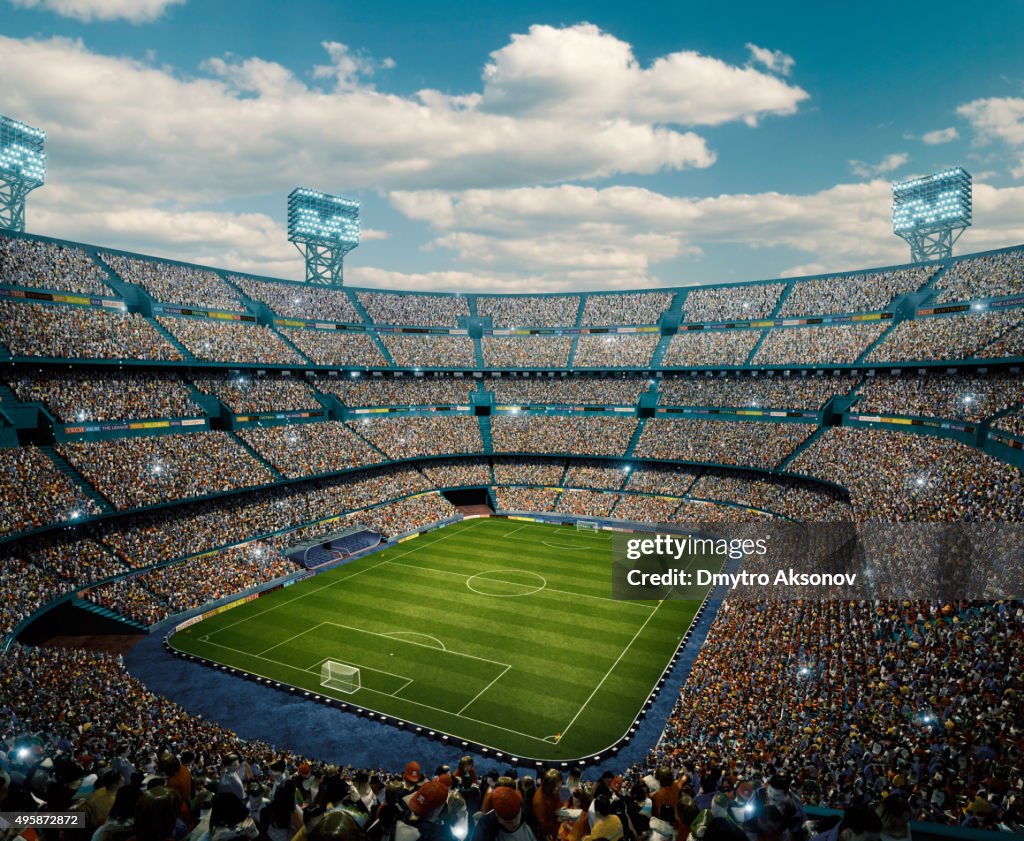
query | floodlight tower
[932, 212]
[324, 228]
[22, 169]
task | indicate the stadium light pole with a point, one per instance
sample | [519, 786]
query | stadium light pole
[931, 212]
[324, 228]
[22, 169]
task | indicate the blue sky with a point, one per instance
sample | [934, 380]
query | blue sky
[541, 147]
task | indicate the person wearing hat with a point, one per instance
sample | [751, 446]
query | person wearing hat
[506, 820]
[424, 808]
[412, 776]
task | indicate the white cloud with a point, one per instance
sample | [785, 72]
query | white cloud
[998, 118]
[941, 135]
[775, 60]
[242, 125]
[573, 237]
[582, 72]
[135, 11]
[887, 164]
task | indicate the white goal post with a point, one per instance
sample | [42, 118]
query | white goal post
[340, 676]
[587, 525]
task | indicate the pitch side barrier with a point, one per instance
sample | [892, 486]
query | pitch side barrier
[455, 741]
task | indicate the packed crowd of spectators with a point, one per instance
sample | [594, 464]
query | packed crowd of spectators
[175, 588]
[529, 311]
[77, 560]
[454, 473]
[231, 341]
[309, 449]
[696, 348]
[849, 700]
[641, 508]
[793, 392]
[586, 503]
[337, 347]
[852, 293]
[33, 493]
[990, 276]
[897, 477]
[526, 499]
[526, 351]
[98, 395]
[751, 443]
[616, 350]
[36, 264]
[410, 437]
[670, 479]
[567, 391]
[423, 350]
[402, 391]
[170, 283]
[1012, 423]
[625, 308]
[595, 474]
[969, 398]
[136, 472]
[405, 515]
[414, 310]
[522, 471]
[948, 337]
[26, 589]
[743, 489]
[300, 300]
[817, 345]
[244, 393]
[81, 333]
[572, 434]
[731, 303]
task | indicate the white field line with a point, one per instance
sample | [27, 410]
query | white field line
[305, 592]
[517, 584]
[482, 691]
[385, 694]
[617, 660]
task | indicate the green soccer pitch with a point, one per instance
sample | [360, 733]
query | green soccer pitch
[500, 632]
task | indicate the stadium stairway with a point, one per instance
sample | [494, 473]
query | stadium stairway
[107, 613]
[782, 300]
[6, 395]
[170, 338]
[756, 348]
[641, 422]
[244, 445]
[64, 467]
[807, 442]
[660, 349]
[288, 343]
[485, 433]
[877, 342]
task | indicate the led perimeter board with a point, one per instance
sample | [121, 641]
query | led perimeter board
[932, 212]
[324, 228]
[22, 169]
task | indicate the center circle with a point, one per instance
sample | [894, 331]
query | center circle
[506, 583]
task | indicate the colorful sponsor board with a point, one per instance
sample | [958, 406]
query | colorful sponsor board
[63, 298]
[132, 426]
[164, 309]
[930, 423]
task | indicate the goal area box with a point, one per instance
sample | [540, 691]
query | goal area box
[340, 677]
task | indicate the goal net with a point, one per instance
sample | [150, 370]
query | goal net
[339, 676]
[587, 525]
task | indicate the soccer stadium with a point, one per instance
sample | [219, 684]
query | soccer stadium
[290, 557]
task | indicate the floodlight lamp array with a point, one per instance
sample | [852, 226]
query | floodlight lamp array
[22, 154]
[320, 217]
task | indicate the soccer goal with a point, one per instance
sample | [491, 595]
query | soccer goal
[587, 525]
[339, 676]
